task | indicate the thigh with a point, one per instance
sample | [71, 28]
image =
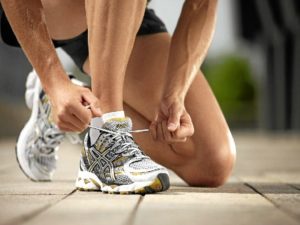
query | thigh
[211, 142]
[65, 18]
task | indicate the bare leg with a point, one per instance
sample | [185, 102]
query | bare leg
[65, 18]
[207, 158]
[112, 29]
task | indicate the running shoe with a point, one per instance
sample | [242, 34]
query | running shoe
[115, 164]
[40, 138]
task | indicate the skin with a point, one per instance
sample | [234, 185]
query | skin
[28, 22]
[105, 19]
[164, 91]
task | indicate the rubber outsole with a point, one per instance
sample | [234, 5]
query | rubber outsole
[160, 183]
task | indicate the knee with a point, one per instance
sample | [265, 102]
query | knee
[216, 169]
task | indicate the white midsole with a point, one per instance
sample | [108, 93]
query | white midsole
[84, 182]
[26, 132]
[30, 88]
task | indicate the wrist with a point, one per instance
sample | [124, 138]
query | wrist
[54, 81]
[171, 93]
[172, 97]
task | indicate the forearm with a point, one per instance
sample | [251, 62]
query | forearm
[189, 45]
[112, 28]
[28, 23]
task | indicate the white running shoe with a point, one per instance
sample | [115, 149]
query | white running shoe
[40, 138]
[115, 163]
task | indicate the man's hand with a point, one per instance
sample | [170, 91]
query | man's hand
[69, 107]
[172, 123]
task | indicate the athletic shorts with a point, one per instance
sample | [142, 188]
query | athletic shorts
[77, 47]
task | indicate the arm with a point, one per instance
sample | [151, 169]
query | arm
[189, 45]
[188, 49]
[28, 23]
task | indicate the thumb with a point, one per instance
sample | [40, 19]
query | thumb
[92, 101]
[96, 112]
[174, 118]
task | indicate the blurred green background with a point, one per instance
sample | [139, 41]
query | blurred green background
[232, 82]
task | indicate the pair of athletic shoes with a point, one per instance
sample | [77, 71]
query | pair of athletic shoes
[114, 163]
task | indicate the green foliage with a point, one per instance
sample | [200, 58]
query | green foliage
[232, 82]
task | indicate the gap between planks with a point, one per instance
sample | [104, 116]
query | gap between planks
[25, 218]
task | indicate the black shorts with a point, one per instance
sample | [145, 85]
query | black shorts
[77, 47]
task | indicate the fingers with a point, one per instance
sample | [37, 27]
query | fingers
[167, 133]
[67, 127]
[92, 101]
[69, 107]
[153, 132]
[186, 128]
[174, 119]
[160, 132]
[73, 117]
[96, 112]
[81, 113]
[70, 122]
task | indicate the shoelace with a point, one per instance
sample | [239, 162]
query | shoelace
[52, 131]
[128, 147]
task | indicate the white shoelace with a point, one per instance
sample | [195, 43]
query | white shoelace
[128, 145]
[109, 131]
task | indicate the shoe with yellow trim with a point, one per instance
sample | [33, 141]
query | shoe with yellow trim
[115, 163]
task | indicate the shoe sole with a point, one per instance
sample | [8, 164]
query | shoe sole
[24, 135]
[87, 181]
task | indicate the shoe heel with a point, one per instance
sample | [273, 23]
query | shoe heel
[87, 181]
[30, 88]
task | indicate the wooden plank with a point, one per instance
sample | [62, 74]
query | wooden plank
[219, 207]
[260, 153]
[297, 186]
[15, 182]
[90, 208]
[20, 198]
[15, 209]
[7, 154]
[285, 197]
[288, 177]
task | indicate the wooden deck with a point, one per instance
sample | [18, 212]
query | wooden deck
[264, 189]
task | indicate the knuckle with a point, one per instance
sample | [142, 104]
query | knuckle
[60, 116]
[68, 104]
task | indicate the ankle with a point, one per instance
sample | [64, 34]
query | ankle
[99, 121]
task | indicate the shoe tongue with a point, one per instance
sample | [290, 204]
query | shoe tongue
[118, 124]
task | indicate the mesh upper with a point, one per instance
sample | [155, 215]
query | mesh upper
[144, 164]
